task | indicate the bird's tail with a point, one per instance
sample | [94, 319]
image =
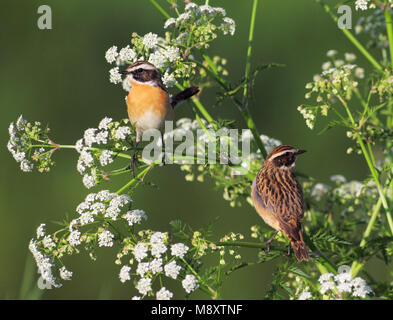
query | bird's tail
[184, 95]
[299, 247]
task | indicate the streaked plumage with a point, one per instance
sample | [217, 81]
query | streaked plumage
[278, 196]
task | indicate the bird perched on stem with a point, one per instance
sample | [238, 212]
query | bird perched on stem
[148, 102]
[278, 197]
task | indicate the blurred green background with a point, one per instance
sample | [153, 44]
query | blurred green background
[60, 77]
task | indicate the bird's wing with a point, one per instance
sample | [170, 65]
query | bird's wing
[184, 95]
[282, 195]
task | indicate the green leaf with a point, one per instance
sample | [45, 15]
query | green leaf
[299, 272]
[287, 289]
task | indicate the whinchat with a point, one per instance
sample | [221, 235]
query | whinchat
[148, 102]
[278, 197]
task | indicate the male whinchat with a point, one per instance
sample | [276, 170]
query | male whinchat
[278, 197]
[148, 102]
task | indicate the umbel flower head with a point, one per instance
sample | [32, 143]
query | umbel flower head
[170, 53]
[26, 144]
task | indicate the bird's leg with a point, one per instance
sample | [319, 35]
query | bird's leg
[163, 150]
[133, 157]
[268, 242]
[289, 250]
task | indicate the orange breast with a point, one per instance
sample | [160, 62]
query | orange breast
[146, 101]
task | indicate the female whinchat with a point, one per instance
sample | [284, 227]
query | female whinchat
[278, 197]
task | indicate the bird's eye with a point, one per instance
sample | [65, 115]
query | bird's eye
[139, 70]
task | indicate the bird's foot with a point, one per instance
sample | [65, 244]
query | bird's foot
[289, 250]
[268, 242]
[133, 164]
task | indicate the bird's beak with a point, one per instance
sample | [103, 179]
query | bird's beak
[124, 72]
[300, 152]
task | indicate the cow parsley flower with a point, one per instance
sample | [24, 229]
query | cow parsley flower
[44, 264]
[361, 4]
[179, 250]
[89, 137]
[127, 54]
[164, 294]
[135, 217]
[305, 296]
[150, 40]
[122, 133]
[74, 238]
[140, 251]
[111, 54]
[190, 283]
[229, 26]
[114, 75]
[48, 242]
[124, 274]
[103, 125]
[106, 157]
[169, 80]
[156, 265]
[360, 288]
[142, 268]
[169, 22]
[350, 57]
[172, 270]
[158, 59]
[41, 230]
[319, 190]
[338, 179]
[144, 285]
[26, 166]
[171, 53]
[65, 274]
[105, 239]
[88, 181]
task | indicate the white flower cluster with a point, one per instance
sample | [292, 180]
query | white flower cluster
[200, 14]
[190, 283]
[342, 282]
[167, 53]
[345, 190]
[361, 4]
[135, 217]
[153, 259]
[309, 115]
[44, 265]
[105, 239]
[319, 190]
[349, 190]
[18, 143]
[161, 54]
[103, 203]
[126, 55]
[107, 132]
[337, 78]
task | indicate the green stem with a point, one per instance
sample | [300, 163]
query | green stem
[159, 8]
[389, 29]
[249, 50]
[370, 160]
[201, 109]
[356, 265]
[203, 286]
[352, 38]
[134, 180]
[252, 245]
